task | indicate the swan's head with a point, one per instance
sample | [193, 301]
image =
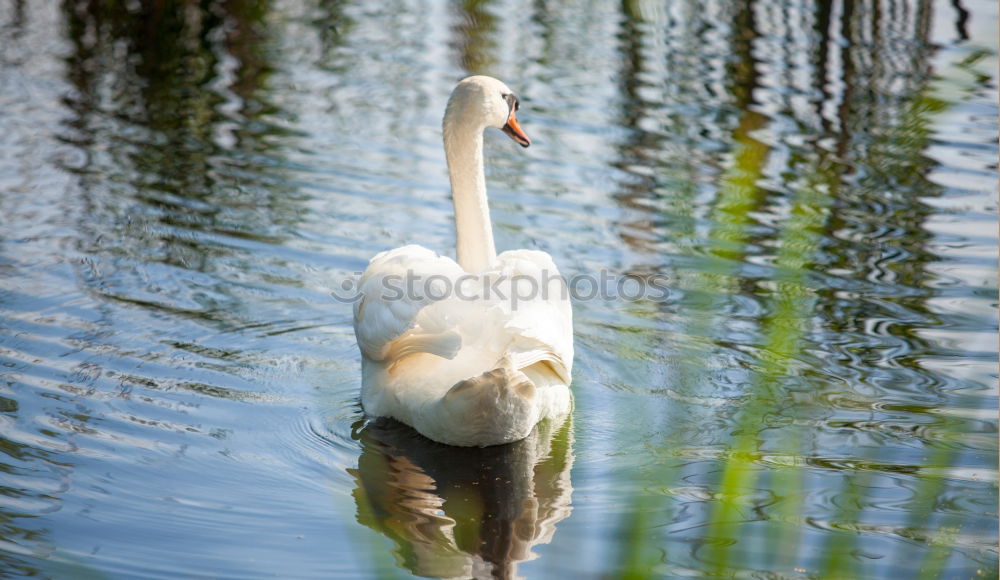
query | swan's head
[480, 102]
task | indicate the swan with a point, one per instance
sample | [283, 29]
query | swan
[474, 352]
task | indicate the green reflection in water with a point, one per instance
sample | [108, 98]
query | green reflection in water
[182, 174]
[895, 158]
[474, 32]
[792, 306]
[708, 288]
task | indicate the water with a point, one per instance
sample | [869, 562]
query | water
[183, 185]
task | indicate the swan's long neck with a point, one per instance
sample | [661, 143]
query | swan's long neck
[463, 147]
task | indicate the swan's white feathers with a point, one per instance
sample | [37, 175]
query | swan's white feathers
[457, 365]
[386, 312]
[542, 326]
[526, 315]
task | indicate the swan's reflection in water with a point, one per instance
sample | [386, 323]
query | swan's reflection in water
[463, 512]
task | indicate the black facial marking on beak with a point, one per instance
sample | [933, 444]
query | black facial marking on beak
[512, 102]
[512, 128]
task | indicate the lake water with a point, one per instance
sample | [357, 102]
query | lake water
[184, 186]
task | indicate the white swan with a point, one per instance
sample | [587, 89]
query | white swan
[477, 352]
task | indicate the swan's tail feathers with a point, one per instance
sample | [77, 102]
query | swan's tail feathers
[495, 407]
[492, 384]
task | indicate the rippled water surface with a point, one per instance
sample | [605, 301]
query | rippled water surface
[184, 184]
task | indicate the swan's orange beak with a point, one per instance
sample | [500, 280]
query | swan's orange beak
[514, 131]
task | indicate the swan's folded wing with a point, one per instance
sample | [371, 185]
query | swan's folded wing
[541, 319]
[392, 318]
[410, 305]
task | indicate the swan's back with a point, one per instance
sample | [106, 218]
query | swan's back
[466, 360]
